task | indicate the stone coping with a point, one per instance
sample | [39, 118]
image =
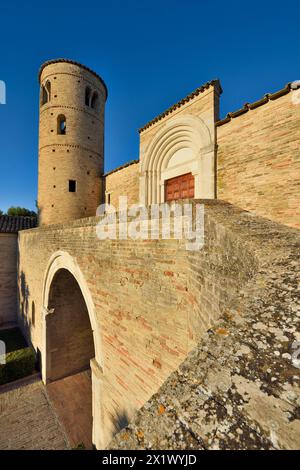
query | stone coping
[266, 98]
[228, 215]
[239, 388]
[74, 62]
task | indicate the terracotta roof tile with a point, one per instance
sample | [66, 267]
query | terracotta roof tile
[266, 98]
[13, 224]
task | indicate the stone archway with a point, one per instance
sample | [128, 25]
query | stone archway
[71, 338]
[184, 145]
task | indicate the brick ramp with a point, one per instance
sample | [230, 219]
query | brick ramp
[28, 420]
[72, 400]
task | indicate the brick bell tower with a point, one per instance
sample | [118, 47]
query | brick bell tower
[71, 141]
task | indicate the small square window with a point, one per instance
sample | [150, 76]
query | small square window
[72, 186]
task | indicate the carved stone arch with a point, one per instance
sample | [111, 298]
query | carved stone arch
[175, 147]
[191, 126]
[63, 260]
[187, 132]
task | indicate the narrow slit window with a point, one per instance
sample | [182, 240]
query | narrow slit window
[45, 93]
[87, 96]
[44, 96]
[48, 88]
[72, 186]
[33, 313]
[61, 124]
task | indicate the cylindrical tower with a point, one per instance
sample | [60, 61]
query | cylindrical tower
[71, 141]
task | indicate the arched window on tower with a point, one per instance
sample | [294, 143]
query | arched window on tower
[61, 124]
[48, 89]
[44, 97]
[46, 93]
[95, 100]
[88, 92]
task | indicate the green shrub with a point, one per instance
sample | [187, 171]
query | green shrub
[19, 363]
[80, 446]
[13, 339]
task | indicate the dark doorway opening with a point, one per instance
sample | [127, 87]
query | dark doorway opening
[70, 347]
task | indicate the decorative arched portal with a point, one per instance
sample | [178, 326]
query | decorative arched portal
[71, 339]
[184, 145]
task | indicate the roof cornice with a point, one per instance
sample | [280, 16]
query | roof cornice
[265, 99]
[15, 223]
[73, 62]
[201, 89]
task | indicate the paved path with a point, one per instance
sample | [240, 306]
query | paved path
[72, 400]
[28, 420]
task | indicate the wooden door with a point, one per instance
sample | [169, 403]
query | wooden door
[180, 187]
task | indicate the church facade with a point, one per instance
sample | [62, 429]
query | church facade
[131, 311]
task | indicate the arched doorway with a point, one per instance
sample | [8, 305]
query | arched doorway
[70, 348]
[183, 146]
[71, 345]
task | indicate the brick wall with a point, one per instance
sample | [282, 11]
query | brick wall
[153, 299]
[8, 277]
[239, 387]
[258, 161]
[124, 182]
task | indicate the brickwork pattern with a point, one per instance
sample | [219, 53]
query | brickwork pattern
[258, 161]
[124, 182]
[239, 388]
[153, 299]
[28, 420]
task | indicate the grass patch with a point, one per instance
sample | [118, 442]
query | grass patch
[20, 358]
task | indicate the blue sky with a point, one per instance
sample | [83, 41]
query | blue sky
[150, 54]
